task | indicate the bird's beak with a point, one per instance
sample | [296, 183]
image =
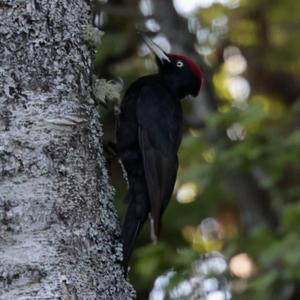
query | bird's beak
[158, 52]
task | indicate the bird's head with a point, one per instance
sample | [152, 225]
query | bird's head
[179, 71]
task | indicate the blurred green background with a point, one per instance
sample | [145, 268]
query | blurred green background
[231, 230]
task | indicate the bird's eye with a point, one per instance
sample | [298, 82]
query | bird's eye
[179, 63]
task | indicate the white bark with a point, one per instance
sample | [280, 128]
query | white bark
[59, 233]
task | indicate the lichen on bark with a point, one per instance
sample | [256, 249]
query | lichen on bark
[59, 232]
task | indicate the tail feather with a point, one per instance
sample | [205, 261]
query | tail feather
[133, 223]
[130, 232]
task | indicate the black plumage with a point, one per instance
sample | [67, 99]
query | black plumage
[149, 133]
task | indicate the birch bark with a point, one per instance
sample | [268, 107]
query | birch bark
[59, 232]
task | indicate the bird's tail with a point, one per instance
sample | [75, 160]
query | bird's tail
[130, 232]
[133, 223]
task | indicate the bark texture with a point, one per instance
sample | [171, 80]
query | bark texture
[59, 232]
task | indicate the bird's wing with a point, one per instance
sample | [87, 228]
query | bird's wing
[158, 132]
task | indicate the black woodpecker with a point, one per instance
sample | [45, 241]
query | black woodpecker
[149, 132]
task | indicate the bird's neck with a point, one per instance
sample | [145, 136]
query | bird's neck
[173, 86]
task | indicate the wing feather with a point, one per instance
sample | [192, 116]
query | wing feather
[158, 139]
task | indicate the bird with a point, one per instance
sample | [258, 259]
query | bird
[148, 136]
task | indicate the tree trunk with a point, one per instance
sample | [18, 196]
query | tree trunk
[59, 232]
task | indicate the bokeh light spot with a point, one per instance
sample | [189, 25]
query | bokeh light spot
[242, 265]
[236, 132]
[187, 193]
[239, 88]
